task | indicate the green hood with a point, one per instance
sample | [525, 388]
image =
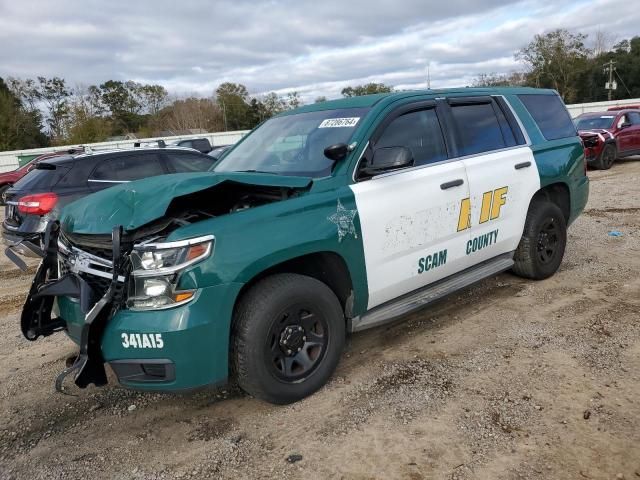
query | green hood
[135, 204]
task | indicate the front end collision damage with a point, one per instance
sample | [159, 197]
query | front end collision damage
[47, 284]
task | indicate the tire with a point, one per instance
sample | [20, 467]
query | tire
[543, 241]
[607, 157]
[3, 189]
[287, 337]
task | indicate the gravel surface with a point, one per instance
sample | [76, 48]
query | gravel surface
[509, 379]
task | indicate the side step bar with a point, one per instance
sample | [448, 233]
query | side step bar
[410, 302]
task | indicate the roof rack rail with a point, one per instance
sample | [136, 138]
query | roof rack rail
[161, 143]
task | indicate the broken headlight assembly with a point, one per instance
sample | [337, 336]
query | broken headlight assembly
[156, 270]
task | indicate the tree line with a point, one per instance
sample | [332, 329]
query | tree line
[47, 111]
[562, 60]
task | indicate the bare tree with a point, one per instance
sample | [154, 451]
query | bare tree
[603, 42]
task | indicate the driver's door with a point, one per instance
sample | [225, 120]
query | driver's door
[409, 217]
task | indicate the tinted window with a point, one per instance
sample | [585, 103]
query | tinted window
[591, 122]
[42, 178]
[550, 114]
[634, 117]
[420, 132]
[127, 168]
[186, 162]
[478, 128]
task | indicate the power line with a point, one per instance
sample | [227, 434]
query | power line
[623, 84]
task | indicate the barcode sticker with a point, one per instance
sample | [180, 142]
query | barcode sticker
[339, 122]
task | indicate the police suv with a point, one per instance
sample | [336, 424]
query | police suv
[328, 219]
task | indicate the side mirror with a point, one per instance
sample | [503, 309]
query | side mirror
[389, 158]
[336, 152]
[625, 125]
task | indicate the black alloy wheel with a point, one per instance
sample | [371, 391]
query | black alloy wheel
[297, 342]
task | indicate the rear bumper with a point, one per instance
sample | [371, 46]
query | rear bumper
[181, 348]
[14, 239]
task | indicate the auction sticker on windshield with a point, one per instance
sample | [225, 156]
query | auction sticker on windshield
[339, 122]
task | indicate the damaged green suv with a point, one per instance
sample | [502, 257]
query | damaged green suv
[328, 219]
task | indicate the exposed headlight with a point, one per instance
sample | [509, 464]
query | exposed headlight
[157, 267]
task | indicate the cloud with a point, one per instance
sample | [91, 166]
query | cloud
[316, 48]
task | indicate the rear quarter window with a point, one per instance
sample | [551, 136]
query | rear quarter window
[550, 114]
[40, 179]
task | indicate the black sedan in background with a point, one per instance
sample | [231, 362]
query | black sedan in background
[39, 196]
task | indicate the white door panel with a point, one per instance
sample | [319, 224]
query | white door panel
[409, 229]
[499, 227]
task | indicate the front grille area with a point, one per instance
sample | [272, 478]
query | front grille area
[93, 265]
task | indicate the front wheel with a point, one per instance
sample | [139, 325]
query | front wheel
[543, 241]
[607, 157]
[288, 335]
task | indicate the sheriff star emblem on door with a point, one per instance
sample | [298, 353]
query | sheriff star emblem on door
[343, 218]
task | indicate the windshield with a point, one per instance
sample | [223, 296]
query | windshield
[589, 123]
[294, 144]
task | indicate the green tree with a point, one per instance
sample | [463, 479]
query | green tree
[20, 126]
[367, 89]
[233, 99]
[55, 95]
[554, 60]
[320, 99]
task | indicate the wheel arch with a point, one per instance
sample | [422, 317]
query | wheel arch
[326, 266]
[557, 193]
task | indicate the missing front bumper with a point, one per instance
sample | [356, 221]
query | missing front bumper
[36, 318]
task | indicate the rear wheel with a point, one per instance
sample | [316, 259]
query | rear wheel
[543, 241]
[3, 189]
[288, 335]
[607, 157]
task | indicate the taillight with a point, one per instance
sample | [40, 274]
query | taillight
[38, 204]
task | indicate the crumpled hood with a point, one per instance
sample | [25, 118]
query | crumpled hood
[135, 204]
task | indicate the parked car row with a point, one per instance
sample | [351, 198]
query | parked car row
[609, 135]
[52, 181]
[7, 179]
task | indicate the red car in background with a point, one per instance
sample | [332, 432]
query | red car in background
[7, 179]
[609, 135]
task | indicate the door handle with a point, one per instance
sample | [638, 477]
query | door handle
[452, 183]
[519, 166]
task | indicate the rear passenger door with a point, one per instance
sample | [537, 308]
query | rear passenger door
[409, 216]
[502, 174]
[126, 168]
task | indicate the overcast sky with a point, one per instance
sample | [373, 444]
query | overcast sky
[315, 47]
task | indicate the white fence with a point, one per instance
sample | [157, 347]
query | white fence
[9, 160]
[580, 108]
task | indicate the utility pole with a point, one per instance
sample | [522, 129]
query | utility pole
[224, 114]
[611, 85]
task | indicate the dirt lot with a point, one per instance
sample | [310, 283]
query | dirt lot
[510, 379]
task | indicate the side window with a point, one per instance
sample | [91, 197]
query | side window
[635, 118]
[478, 128]
[420, 132]
[186, 162]
[550, 114]
[128, 168]
[623, 119]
